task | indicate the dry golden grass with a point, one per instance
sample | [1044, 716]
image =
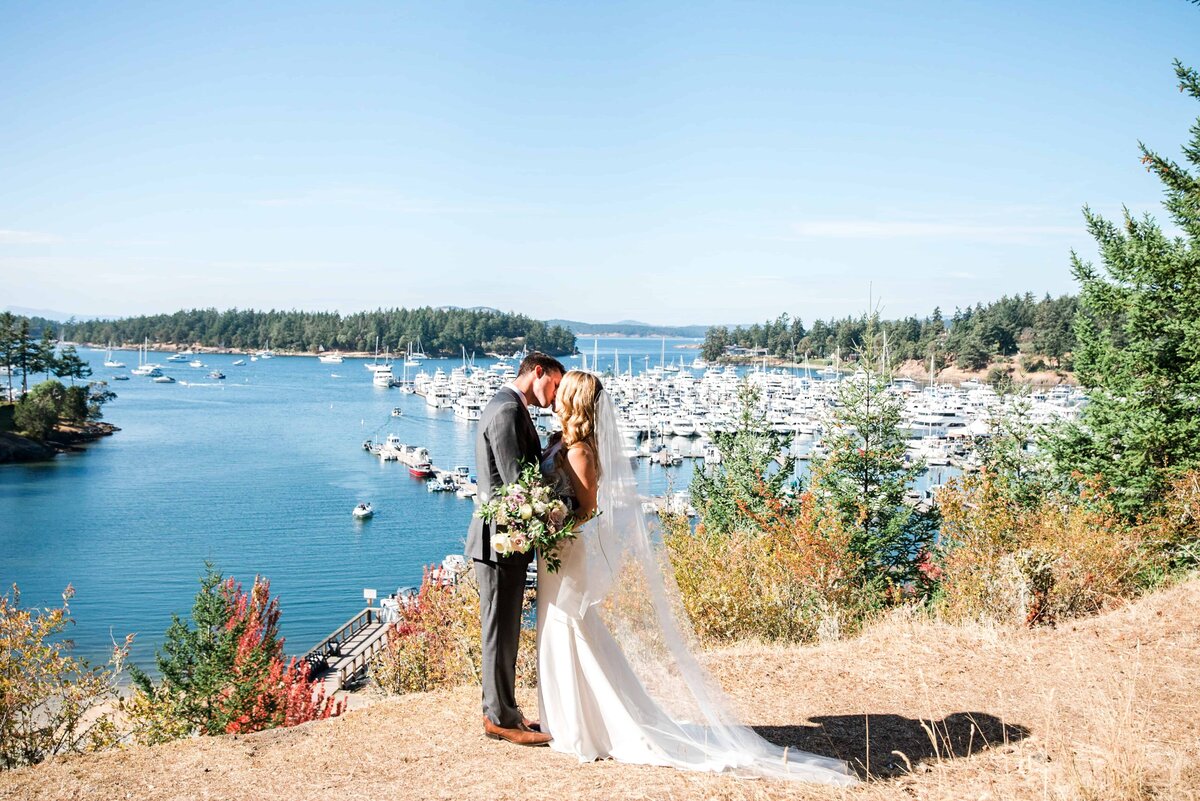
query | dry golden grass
[1097, 710]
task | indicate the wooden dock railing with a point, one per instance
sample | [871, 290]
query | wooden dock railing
[342, 657]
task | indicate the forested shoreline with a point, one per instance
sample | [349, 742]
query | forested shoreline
[971, 338]
[440, 332]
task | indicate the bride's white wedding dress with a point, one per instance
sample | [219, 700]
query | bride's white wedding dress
[616, 676]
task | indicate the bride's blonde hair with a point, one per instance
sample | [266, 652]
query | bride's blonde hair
[576, 400]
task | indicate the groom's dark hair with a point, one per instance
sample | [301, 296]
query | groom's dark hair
[536, 358]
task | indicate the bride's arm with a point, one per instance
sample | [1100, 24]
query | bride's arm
[583, 479]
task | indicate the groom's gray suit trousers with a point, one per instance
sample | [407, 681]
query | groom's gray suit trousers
[501, 590]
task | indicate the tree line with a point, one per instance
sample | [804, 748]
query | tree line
[440, 332]
[972, 337]
[28, 348]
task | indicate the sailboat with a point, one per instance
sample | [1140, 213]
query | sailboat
[374, 365]
[146, 367]
[109, 361]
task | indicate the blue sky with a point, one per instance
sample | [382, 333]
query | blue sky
[670, 162]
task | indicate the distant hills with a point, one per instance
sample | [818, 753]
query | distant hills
[630, 328]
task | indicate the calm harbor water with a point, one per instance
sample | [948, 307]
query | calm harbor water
[257, 474]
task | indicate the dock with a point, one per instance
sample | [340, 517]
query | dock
[340, 660]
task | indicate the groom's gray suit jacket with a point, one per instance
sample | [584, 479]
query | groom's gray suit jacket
[505, 442]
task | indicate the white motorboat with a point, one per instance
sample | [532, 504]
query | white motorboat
[177, 357]
[330, 358]
[362, 511]
[196, 363]
[239, 363]
[397, 411]
[163, 379]
[442, 482]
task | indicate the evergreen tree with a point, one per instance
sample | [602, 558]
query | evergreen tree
[864, 476]
[39, 409]
[1138, 333]
[70, 365]
[732, 495]
[9, 338]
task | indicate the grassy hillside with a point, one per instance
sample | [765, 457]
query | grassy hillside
[1102, 708]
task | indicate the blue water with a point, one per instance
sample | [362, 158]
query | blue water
[258, 474]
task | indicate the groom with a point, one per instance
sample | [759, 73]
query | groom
[505, 443]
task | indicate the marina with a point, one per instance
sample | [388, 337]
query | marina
[258, 473]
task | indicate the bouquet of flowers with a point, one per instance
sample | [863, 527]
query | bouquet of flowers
[528, 515]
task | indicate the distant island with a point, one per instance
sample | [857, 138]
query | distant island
[446, 331]
[631, 328]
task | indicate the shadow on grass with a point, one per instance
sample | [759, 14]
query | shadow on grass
[868, 742]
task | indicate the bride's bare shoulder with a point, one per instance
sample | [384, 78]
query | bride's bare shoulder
[581, 456]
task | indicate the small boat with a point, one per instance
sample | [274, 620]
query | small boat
[239, 363]
[177, 357]
[443, 482]
[120, 378]
[195, 363]
[397, 412]
[421, 469]
[217, 374]
[362, 511]
[330, 358]
[164, 379]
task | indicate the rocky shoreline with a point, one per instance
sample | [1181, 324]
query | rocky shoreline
[919, 370]
[65, 439]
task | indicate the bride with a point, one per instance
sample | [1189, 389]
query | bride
[617, 676]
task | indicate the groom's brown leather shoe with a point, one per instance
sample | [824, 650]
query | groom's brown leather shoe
[521, 736]
[532, 725]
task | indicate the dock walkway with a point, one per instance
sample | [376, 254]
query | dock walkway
[340, 660]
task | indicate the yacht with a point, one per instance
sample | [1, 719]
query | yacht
[330, 358]
[383, 376]
[468, 408]
[177, 357]
[163, 379]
